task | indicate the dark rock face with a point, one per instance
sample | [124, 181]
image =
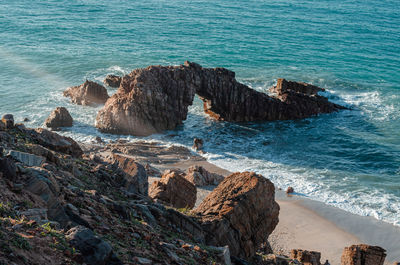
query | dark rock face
[241, 213]
[306, 257]
[8, 121]
[363, 255]
[174, 189]
[8, 168]
[136, 179]
[94, 250]
[60, 117]
[156, 98]
[112, 80]
[89, 93]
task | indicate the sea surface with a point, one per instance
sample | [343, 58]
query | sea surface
[349, 159]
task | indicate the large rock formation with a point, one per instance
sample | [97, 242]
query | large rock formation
[89, 93]
[363, 255]
[60, 117]
[174, 189]
[156, 98]
[241, 213]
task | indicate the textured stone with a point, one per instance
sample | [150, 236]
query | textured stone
[112, 80]
[60, 117]
[363, 255]
[27, 159]
[174, 189]
[306, 257]
[241, 213]
[89, 93]
[199, 176]
[283, 86]
[8, 121]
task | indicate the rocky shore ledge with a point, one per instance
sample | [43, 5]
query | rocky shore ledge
[69, 203]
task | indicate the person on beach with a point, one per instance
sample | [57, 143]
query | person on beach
[327, 263]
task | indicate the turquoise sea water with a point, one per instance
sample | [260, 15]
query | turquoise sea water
[349, 159]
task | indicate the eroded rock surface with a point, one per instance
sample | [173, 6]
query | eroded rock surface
[156, 98]
[363, 255]
[174, 189]
[306, 257]
[89, 93]
[112, 80]
[241, 213]
[60, 117]
[199, 176]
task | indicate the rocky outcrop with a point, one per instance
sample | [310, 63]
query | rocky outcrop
[199, 176]
[174, 189]
[27, 159]
[363, 255]
[197, 144]
[8, 121]
[284, 86]
[306, 257]
[241, 213]
[136, 180]
[89, 93]
[156, 98]
[60, 117]
[8, 168]
[112, 80]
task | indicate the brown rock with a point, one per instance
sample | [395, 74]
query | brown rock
[289, 190]
[306, 257]
[156, 98]
[197, 144]
[137, 180]
[112, 80]
[174, 189]
[199, 176]
[241, 213]
[363, 255]
[60, 117]
[8, 121]
[89, 93]
[284, 86]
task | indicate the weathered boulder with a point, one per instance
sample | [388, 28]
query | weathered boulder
[149, 100]
[306, 257]
[27, 159]
[8, 121]
[56, 142]
[174, 189]
[136, 179]
[156, 98]
[93, 249]
[60, 117]
[363, 255]
[199, 176]
[112, 80]
[89, 93]
[241, 213]
[283, 86]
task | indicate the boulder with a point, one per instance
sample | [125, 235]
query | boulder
[8, 121]
[55, 142]
[89, 93]
[112, 80]
[241, 213]
[199, 176]
[156, 98]
[93, 249]
[60, 117]
[306, 257]
[136, 180]
[174, 189]
[363, 255]
[27, 159]
[8, 168]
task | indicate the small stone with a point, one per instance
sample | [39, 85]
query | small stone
[26, 119]
[60, 117]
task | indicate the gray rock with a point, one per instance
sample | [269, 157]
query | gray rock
[143, 261]
[27, 159]
[224, 256]
[37, 214]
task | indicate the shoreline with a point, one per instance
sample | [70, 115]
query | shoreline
[311, 225]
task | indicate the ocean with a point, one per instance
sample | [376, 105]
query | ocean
[349, 159]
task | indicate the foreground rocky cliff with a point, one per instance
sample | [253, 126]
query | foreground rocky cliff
[156, 98]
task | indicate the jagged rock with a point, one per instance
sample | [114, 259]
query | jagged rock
[306, 257]
[241, 213]
[89, 93]
[112, 80]
[8, 168]
[8, 121]
[56, 142]
[283, 86]
[199, 176]
[94, 250]
[27, 159]
[137, 179]
[174, 189]
[152, 171]
[60, 117]
[197, 144]
[363, 255]
[156, 98]
[43, 151]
